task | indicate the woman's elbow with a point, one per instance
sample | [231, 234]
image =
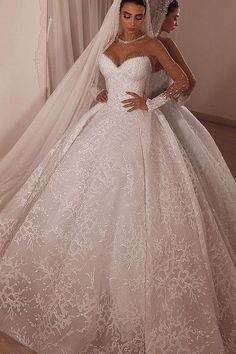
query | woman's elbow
[186, 83]
[192, 82]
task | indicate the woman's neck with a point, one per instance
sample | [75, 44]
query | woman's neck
[126, 36]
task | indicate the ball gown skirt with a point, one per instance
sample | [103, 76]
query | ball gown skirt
[115, 244]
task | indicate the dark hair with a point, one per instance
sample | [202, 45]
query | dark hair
[137, 2]
[173, 6]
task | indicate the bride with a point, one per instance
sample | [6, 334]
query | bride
[110, 242]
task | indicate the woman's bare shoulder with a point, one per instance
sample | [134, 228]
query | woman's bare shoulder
[111, 46]
[168, 42]
[152, 44]
[151, 40]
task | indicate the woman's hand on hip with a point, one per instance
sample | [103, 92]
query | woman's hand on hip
[102, 96]
[136, 102]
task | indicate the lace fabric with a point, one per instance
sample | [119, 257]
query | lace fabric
[157, 102]
[159, 82]
[124, 218]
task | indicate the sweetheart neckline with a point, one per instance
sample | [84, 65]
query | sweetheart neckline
[118, 66]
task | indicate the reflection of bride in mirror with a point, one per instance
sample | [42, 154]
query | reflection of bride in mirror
[167, 24]
[115, 238]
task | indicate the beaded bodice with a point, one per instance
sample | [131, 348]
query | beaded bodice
[132, 75]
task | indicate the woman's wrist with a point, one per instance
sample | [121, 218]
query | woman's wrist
[157, 101]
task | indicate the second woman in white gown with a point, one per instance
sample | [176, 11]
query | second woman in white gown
[198, 144]
[118, 249]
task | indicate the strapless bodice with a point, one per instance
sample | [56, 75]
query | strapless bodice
[132, 75]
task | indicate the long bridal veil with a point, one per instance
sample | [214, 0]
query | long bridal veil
[64, 108]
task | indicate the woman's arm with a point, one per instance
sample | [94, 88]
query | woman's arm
[180, 80]
[179, 77]
[179, 59]
[154, 48]
[98, 90]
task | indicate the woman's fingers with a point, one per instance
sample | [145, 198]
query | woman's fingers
[128, 105]
[130, 100]
[132, 104]
[102, 97]
[133, 94]
[132, 109]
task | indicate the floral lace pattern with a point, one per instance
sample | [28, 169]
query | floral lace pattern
[119, 250]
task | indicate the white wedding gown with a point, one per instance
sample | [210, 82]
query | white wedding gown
[121, 249]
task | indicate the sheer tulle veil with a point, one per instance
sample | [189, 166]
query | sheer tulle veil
[159, 10]
[64, 108]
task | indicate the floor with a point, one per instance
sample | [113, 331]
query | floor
[9, 346]
[225, 137]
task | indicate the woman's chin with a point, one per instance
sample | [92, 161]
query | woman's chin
[166, 30]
